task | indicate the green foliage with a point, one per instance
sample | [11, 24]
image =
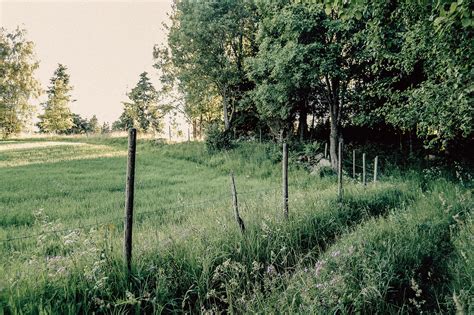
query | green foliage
[272, 63]
[367, 270]
[376, 241]
[421, 70]
[142, 112]
[217, 139]
[208, 42]
[461, 268]
[312, 148]
[80, 125]
[105, 128]
[57, 116]
[124, 122]
[94, 125]
[17, 83]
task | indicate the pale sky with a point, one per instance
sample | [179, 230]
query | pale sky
[105, 44]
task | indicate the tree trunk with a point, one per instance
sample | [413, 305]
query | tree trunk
[333, 137]
[335, 108]
[225, 110]
[303, 124]
[200, 127]
[194, 129]
[411, 142]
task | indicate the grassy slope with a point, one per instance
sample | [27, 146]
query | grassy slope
[184, 258]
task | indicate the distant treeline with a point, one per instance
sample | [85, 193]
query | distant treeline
[18, 87]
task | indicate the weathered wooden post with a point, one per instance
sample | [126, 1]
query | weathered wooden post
[353, 163]
[285, 179]
[376, 162]
[260, 130]
[239, 220]
[364, 181]
[326, 150]
[129, 191]
[189, 135]
[339, 172]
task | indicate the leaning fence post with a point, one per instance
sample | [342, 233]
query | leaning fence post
[353, 163]
[285, 179]
[363, 170]
[239, 220]
[339, 172]
[376, 162]
[129, 190]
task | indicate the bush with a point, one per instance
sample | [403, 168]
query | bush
[217, 139]
[312, 148]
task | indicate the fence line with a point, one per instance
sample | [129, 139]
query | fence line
[138, 214]
[183, 206]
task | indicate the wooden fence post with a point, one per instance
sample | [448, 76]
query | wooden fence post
[364, 181]
[353, 163]
[326, 150]
[339, 172]
[285, 179]
[239, 220]
[189, 135]
[129, 191]
[376, 162]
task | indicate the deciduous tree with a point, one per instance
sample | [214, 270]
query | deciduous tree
[17, 83]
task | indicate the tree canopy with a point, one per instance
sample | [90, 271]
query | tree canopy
[141, 111]
[17, 83]
[404, 66]
[57, 116]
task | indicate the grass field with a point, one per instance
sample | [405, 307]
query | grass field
[401, 245]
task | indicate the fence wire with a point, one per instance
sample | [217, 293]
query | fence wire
[136, 215]
[347, 161]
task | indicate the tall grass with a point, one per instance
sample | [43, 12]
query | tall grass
[397, 264]
[191, 257]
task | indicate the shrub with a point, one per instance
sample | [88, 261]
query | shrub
[312, 148]
[217, 139]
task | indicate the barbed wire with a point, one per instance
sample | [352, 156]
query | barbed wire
[137, 215]
[159, 210]
[71, 229]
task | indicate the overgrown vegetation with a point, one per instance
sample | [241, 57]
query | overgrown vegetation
[400, 245]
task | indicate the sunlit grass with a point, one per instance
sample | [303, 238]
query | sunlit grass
[189, 254]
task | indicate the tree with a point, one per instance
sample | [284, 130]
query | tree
[423, 68]
[309, 57]
[124, 122]
[105, 128]
[57, 116]
[80, 125]
[208, 43]
[94, 125]
[17, 82]
[142, 111]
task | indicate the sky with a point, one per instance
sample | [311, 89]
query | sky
[105, 45]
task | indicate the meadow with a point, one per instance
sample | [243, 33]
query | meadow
[403, 244]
